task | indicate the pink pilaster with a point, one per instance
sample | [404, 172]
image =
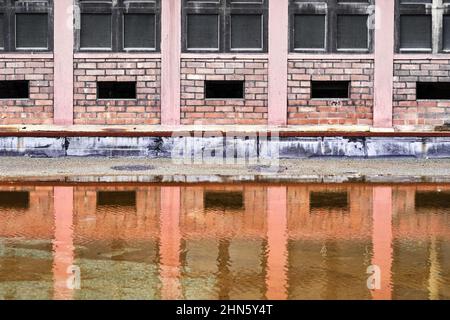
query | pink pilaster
[170, 241]
[382, 240]
[63, 62]
[63, 248]
[277, 240]
[278, 61]
[384, 63]
[170, 61]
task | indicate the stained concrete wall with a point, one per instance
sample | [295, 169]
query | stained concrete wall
[240, 147]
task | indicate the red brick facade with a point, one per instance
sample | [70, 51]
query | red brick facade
[195, 109]
[143, 110]
[38, 109]
[302, 110]
[419, 114]
[408, 112]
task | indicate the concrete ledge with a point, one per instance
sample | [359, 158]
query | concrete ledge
[241, 146]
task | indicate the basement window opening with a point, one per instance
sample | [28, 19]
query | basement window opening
[15, 89]
[113, 90]
[433, 90]
[224, 89]
[330, 89]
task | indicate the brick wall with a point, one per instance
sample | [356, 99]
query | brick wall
[143, 110]
[38, 109]
[250, 110]
[356, 110]
[422, 114]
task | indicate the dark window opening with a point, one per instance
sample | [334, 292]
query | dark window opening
[116, 90]
[14, 89]
[330, 89]
[14, 199]
[116, 198]
[433, 90]
[328, 200]
[431, 199]
[223, 200]
[224, 89]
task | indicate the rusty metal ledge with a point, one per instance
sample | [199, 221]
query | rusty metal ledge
[54, 131]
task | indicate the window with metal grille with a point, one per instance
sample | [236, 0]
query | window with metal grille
[331, 25]
[119, 25]
[225, 25]
[25, 25]
[422, 26]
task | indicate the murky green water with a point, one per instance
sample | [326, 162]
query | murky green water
[225, 242]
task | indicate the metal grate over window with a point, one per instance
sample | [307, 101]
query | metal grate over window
[422, 26]
[331, 25]
[26, 25]
[225, 25]
[119, 25]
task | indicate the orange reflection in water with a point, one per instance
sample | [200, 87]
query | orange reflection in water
[225, 242]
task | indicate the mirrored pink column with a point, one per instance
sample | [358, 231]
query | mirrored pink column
[170, 238]
[382, 238]
[277, 241]
[64, 273]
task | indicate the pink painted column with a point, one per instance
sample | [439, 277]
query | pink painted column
[277, 239]
[63, 62]
[382, 240]
[384, 63]
[63, 248]
[170, 238]
[278, 61]
[171, 62]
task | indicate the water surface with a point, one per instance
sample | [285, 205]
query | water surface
[224, 241]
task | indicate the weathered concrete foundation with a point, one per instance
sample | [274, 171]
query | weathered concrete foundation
[237, 147]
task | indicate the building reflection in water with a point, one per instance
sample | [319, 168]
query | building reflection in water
[225, 241]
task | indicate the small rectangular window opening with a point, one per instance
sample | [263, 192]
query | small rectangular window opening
[112, 90]
[224, 89]
[14, 199]
[14, 89]
[433, 90]
[330, 89]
